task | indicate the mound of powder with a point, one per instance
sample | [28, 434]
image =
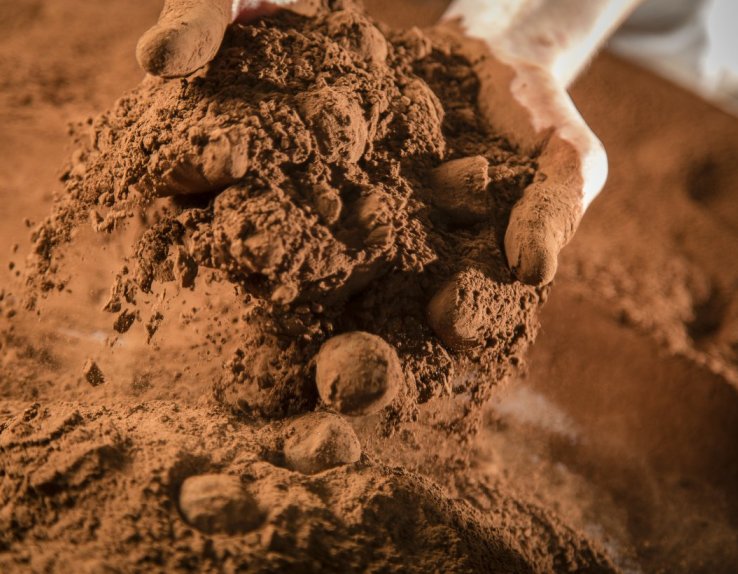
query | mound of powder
[343, 179]
[164, 488]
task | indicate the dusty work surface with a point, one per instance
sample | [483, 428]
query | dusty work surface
[620, 441]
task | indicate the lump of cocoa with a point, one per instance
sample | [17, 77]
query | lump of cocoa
[217, 503]
[320, 441]
[356, 33]
[461, 189]
[358, 373]
[92, 373]
[336, 118]
[262, 232]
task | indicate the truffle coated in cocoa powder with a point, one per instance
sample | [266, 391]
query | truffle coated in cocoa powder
[359, 35]
[459, 312]
[461, 189]
[358, 373]
[338, 121]
[319, 441]
[218, 503]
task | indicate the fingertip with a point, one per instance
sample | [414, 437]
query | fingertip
[176, 51]
[532, 256]
[537, 267]
[155, 51]
[179, 46]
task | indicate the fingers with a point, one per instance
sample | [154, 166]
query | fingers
[187, 37]
[572, 169]
[541, 224]
[189, 32]
[534, 111]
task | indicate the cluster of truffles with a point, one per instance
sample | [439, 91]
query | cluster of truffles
[343, 179]
[312, 443]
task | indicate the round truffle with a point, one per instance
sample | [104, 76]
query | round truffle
[320, 441]
[458, 312]
[359, 35]
[358, 373]
[336, 117]
[218, 503]
[460, 189]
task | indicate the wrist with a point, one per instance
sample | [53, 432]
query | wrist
[484, 19]
[559, 36]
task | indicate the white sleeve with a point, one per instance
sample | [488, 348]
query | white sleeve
[558, 35]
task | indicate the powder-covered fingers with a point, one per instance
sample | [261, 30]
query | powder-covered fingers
[534, 111]
[189, 32]
[187, 37]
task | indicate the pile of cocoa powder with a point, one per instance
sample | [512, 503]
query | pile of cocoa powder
[344, 180]
[339, 178]
[102, 478]
[159, 487]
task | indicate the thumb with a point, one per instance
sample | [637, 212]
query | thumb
[533, 110]
[541, 224]
[572, 169]
[187, 36]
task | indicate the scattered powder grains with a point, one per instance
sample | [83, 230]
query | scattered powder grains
[92, 373]
[339, 177]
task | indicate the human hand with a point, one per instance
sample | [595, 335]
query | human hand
[189, 32]
[532, 109]
[538, 48]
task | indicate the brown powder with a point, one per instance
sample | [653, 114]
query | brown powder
[103, 488]
[310, 167]
[651, 477]
[306, 166]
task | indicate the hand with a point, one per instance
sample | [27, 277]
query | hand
[538, 48]
[189, 32]
[523, 95]
[530, 107]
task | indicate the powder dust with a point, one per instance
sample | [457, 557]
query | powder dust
[310, 166]
[639, 340]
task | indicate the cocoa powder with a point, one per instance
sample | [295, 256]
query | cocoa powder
[302, 165]
[628, 444]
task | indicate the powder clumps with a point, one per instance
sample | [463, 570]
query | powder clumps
[218, 503]
[338, 175]
[308, 173]
[92, 373]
